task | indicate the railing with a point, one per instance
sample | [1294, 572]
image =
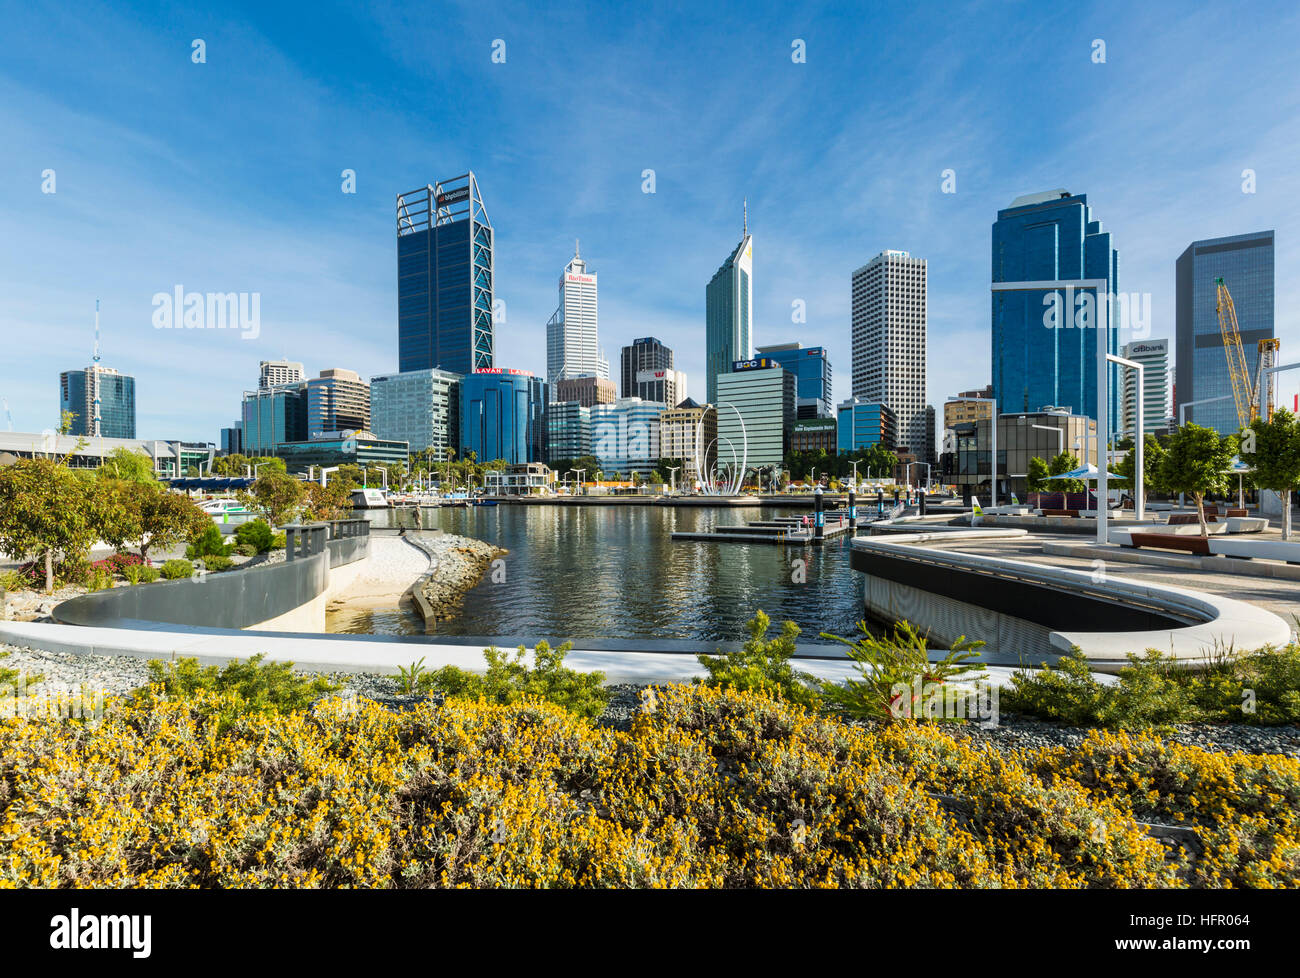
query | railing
[307, 539]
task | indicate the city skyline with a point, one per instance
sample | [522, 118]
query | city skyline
[172, 209]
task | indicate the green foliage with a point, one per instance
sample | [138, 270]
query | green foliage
[899, 681]
[246, 687]
[763, 664]
[256, 534]
[209, 543]
[176, 569]
[216, 562]
[414, 678]
[149, 574]
[510, 680]
[167, 518]
[1153, 454]
[1036, 475]
[275, 496]
[1195, 462]
[128, 466]
[47, 512]
[245, 549]
[99, 579]
[134, 574]
[8, 677]
[279, 541]
[1062, 463]
[1154, 690]
[12, 580]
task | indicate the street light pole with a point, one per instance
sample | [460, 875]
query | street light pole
[1139, 509]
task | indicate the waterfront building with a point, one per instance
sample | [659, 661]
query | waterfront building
[957, 411]
[572, 345]
[1044, 434]
[665, 386]
[361, 448]
[586, 390]
[101, 400]
[272, 416]
[445, 269]
[625, 436]
[519, 480]
[812, 376]
[274, 373]
[1245, 263]
[419, 407]
[646, 353]
[1154, 357]
[568, 431]
[503, 416]
[1039, 358]
[171, 458]
[815, 435]
[679, 429]
[888, 310]
[728, 312]
[756, 408]
[861, 424]
[337, 400]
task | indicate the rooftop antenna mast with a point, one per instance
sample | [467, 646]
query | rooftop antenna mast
[746, 229]
[95, 376]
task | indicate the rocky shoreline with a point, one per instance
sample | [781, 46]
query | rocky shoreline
[458, 564]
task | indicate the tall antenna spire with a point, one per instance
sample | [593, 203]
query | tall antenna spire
[746, 233]
[96, 357]
[576, 252]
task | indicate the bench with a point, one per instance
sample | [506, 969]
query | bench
[1171, 541]
[1062, 512]
[1186, 519]
[1237, 512]
[1259, 549]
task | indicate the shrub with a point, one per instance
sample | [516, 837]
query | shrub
[216, 563]
[256, 534]
[118, 563]
[240, 688]
[99, 579]
[209, 543]
[134, 574]
[245, 549]
[509, 680]
[149, 574]
[763, 664]
[278, 542]
[8, 677]
[176, 569]
[898, 679]
[12, 580]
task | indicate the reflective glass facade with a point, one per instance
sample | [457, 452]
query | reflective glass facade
[625, 436]
[299, 456]
[729, 328]
[420, 407]
[503, 416]
[1038, 361]
[763, 397]
[77, 390]
[862, 424]
[1245, 263]
[444, 278]
[272, 417]
[568, 431]
[812, 376]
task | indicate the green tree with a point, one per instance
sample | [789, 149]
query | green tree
[1036, 475]
[1273, 448]
[1126, 468]
[330, 501]
[276, 496]
[47, 512]
[1062, 463]
[122, 463]
[167, 518]
[117, 509]
[1195, 463]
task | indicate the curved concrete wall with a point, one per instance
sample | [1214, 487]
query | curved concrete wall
[270, 596]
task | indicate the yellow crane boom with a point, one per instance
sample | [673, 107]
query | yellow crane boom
[1242, 394]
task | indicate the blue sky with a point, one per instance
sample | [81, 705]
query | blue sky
[226, 176]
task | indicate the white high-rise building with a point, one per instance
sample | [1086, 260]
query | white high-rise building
[889, 342]
[572, 348]
[277, 372]
[1154, 357]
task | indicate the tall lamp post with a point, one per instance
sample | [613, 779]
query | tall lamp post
[1102, 288]
[1138, 508]
[672, 477]
[993, 428]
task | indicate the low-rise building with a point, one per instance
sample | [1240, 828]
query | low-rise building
[687, 433]
[860, 424]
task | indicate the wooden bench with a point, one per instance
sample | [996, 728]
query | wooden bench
[1187, 519]
[1171, 541]
[1237, 512]
[1061, 512]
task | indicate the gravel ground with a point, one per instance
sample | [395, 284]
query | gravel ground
[118, 675]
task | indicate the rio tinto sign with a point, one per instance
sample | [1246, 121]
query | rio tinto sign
[582, 279]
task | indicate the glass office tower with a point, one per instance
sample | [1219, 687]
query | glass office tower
[78, 392]
[812, 376]
[1038, 361]
[419, 407]
[503, 416]
[273, 416]
[646, 353]
[728, 312]
[444, 278]
[1245, 263]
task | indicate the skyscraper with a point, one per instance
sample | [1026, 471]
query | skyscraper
[889, 342]
[101, 400]
[276, 372]
[272, 416]
[572, 346]
[1040, 359]
[812, 373]
[1245, 263]
[503, 416]
[444, 278]
[337, 400]
[1154, 357]
[666, 386]
[586, 390]
[419, 407]
[646, 353]
[756, 413]
[728, 313]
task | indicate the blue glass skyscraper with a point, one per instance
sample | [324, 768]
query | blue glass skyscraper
[503, 416]
[444, 278]
[728, 313]
[812, 373]
[79, 390]
[1039, 361]
[1245, 263]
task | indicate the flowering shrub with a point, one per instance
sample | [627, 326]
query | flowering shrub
[117, 564]
[711, 787]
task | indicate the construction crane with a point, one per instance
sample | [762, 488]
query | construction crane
[1247, 395]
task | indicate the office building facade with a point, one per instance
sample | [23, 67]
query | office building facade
[274, 373]
[361, 448]
[666, 386]
[445, 274]
[337, 400]
[756, 408]
[568, 431]
[812, 374]
[273, 417]
[889, 315]
[625, 437]
[419, 407]
[232, 440]
[860, 424]
[572, 343]
[688, 432]
[815, 435]
[587, 390]
[101, 401]
[1154, 357]
[503, 416]
[961, 409]
[1245, 263]
[646, 353]
[1043, 345]
[728, 312]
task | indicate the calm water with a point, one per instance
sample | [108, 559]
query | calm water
[614, 572]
